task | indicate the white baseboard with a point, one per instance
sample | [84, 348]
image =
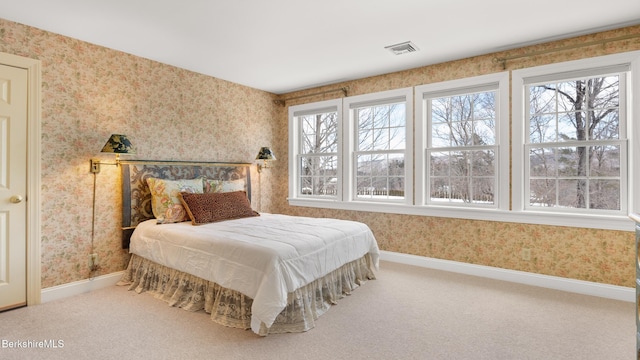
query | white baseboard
[79, 287]
[551, 282]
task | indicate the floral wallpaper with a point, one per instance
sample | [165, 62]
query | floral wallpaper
[90, 92]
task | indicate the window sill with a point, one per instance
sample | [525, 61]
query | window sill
[621, 223]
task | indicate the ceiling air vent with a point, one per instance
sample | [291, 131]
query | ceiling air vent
[402, 48]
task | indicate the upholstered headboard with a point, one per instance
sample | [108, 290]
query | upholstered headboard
[136, 196]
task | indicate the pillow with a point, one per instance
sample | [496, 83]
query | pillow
[165, 201]
[212, 207]
[214, 186]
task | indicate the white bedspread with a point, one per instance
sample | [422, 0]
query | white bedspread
[264, 257]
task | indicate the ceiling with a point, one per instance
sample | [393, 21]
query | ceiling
[285, 45]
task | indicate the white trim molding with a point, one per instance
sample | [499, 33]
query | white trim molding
[80, 287]
[614, 292]
[34, 75]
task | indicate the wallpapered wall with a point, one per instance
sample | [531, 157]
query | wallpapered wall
[90, 92]
[593, 255]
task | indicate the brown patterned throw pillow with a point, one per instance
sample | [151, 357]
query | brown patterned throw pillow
[212, 207]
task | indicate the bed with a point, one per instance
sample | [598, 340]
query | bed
[196, 243]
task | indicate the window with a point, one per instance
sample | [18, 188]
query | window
[574, 143]
[360, 155]
[560, 149]
[314, 145]
[381, 166]
[571, 133]
[463, 129]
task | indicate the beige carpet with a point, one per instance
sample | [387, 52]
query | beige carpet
[407, 313]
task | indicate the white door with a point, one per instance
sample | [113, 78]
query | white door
[13, 187]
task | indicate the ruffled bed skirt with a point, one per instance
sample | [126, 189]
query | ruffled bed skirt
[231, 308]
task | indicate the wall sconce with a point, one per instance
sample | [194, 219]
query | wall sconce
[265, 154]
[118, 144]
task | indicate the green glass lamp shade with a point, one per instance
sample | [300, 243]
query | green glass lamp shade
[265, 153]
[118, 144]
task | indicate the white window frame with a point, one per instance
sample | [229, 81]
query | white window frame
[346, 158]
[295, 140]
[349, 149]
[510, 203]
[579, 218]
[498, 82]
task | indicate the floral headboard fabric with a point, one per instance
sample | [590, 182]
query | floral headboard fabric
[136, 195]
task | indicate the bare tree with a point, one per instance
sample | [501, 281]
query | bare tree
[586, 110]
[380, 131]
[464, 124]
[319, 143]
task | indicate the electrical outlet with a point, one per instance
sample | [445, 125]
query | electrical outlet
[93, 262]
[526, 254]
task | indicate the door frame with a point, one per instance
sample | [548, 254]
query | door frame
[33, 67]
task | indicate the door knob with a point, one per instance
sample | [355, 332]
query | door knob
[16, 199]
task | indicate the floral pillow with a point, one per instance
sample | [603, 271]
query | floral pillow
[212, 207]
[216, 186]
[165, 198]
